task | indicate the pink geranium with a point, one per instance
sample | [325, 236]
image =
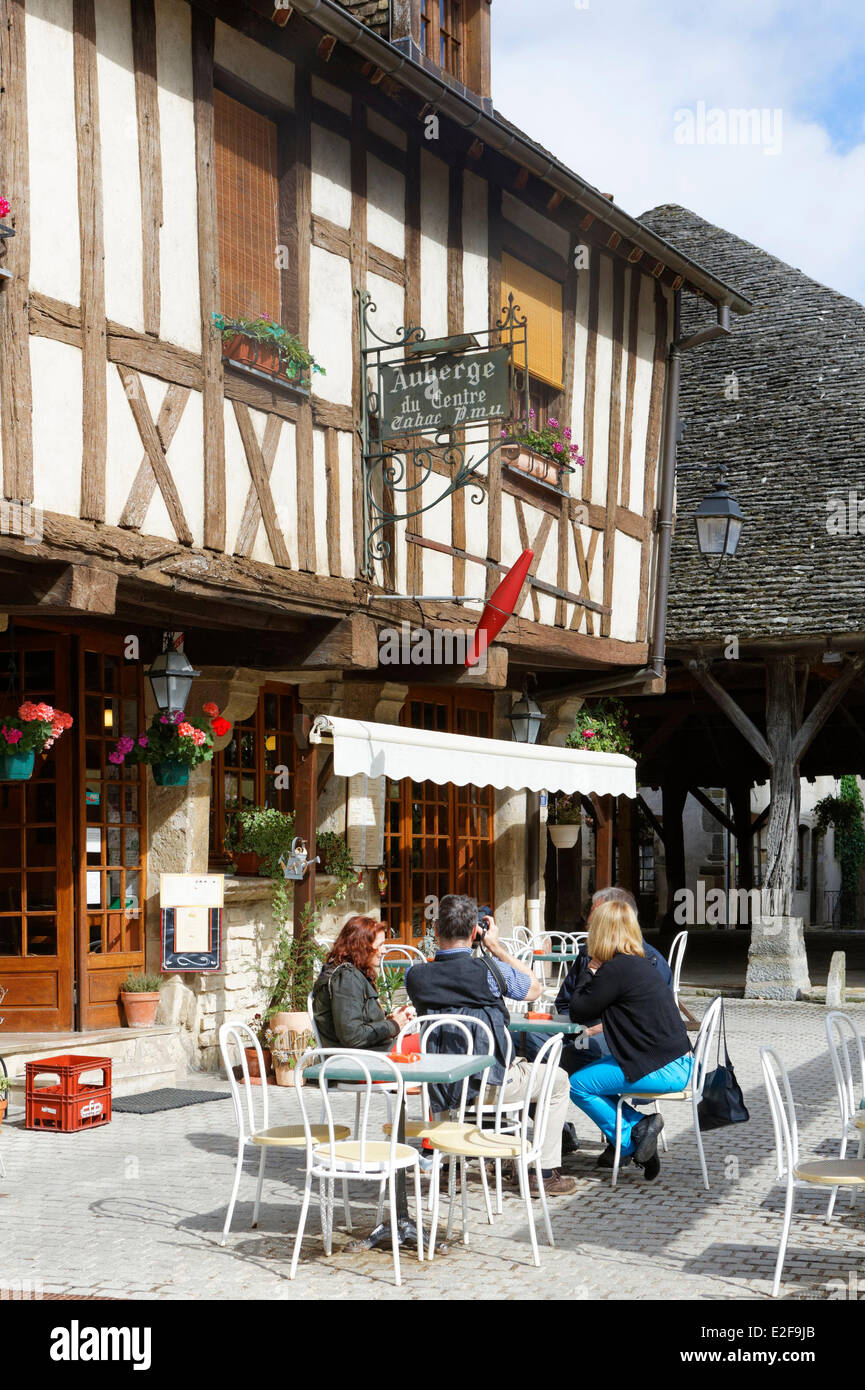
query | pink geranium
[115, 757]
[11, 735]
[211, 709]
[143, 740]
[28, 711]
[588, 733]
[185, 730]
[198, 737]
[5, 207]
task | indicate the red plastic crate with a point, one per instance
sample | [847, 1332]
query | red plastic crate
[71, 1105]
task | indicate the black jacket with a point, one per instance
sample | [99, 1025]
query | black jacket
[347, 1010]
[642, 1023]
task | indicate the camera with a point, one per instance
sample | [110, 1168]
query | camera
[483, 914]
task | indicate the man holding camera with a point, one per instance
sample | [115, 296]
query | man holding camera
[459, 982]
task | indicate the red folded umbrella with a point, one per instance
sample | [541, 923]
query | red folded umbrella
[499, 607]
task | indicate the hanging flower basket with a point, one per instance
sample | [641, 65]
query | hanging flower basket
[172, 744]
[16, 767]
[564, 836]
[33, 730]
[170, 774]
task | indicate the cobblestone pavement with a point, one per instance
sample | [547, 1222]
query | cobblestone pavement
[135, 1209]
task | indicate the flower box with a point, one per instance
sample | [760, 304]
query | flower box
[537, 465]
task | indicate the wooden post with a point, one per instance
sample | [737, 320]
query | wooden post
[783, 827]
[305, 815]
[674, 794]
[627, 843]
[605, 809]
[740, 806]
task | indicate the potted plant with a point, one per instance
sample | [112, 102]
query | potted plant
[544, 453]
[296, 959]
[4, 1093]
[336, 860]
[603, 729]
[564, 825]
[267, 346]
[172, 743]
[140, 995]
[33, 730]
[262, 1032]
[265, 834]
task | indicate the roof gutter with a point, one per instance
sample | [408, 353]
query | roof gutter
[333, 19]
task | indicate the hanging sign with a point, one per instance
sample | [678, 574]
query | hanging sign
[191, 912]
[446, 392]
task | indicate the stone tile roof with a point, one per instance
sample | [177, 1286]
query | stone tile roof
[794, 437]
[375, 13]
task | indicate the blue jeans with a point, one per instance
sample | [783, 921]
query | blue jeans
[595, 1090]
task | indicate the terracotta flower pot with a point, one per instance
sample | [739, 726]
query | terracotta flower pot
[252, 1061]
[564, 836]
[288, 1021]
[255, 354]
[284, 1073]
[140, 1008]
[17, 767]
[3, 1104]
[247, 863]
[536, 465]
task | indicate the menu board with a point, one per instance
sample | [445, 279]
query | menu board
[191, 912]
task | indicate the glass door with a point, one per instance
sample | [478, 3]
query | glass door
[111, 830]
[36, 873]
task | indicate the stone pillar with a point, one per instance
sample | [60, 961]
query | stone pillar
[777, 962]
[836, 982]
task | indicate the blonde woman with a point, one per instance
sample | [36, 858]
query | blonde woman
[649, 1045]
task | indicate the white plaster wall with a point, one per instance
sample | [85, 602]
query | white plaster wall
[596, 579]
[57, 426]
[180, 315]
[283, 485]
[475, 253]
[434, 245]
[389, 299]
[121, 185]
[319, 495]
[330, 310]
[642, 394]
[477, 522]
[385, 206]
[331, 176]
[626, 588]
[237, 481]
[52, 214]
[260, 67]
[334, 96]
[512, 546]
[574, 583]
[537, 226]
[186, 460]
[346, 485]
[379, 125]
[577, 483]
[548, 567]
[604, 366]
[261, 546]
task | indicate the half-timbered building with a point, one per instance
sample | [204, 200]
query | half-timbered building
[167, 161]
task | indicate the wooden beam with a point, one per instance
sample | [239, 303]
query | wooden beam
[208, 275]
[359, 268]
[332, 481]
[350, 644]
[630, 384]
[494, 299]
[734, 713]
[144, 483]
[614, 442]
[76, 588]
[588, 443]
[154, 450]
[94, 346]
[414, 566]
[709, 805]
[16, 397]
[149, 155]
[650, 816]
[261, 480]
[653, 437]
[825, 705]
[456, 324]
[248, 528]
[604, 840]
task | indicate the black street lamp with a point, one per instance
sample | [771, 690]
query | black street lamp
[171, 678]
[526, 719]
[718, 521]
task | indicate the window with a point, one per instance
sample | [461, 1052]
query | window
[540, 300]
[802, 859]
[647, 862]
[257, 767]
[426, 27]
[247, 207]
[438, 839]
[450, 32]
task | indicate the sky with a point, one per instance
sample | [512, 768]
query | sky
[634, 96]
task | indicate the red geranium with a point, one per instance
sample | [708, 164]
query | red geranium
[220, 726]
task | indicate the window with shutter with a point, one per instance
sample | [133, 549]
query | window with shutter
[540, 300]
[246, 193]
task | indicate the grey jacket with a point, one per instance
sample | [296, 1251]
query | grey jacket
[347, 1010]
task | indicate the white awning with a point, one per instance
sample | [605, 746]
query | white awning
[391, 750]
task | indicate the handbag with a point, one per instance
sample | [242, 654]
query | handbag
[723, 1102]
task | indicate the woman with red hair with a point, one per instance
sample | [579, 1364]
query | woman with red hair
[345, 1001]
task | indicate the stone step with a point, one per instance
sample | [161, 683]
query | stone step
[142, 1059]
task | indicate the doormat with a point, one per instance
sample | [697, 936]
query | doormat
[169, 1098]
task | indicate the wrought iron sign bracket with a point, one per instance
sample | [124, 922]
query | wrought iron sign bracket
[433, 413]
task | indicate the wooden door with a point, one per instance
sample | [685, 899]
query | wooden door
[36, 870]
[111, 829]
[438, 838]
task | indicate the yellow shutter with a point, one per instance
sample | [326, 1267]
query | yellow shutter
[246, 196]
[540, 300]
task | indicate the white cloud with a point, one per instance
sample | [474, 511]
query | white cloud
[600, 88]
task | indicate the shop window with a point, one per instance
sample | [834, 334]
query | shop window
[247, 204]
[256, 768]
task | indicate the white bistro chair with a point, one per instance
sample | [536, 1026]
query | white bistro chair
[675, 959]
[692, 1093]
[848, 1065]
[834, 1172]
[396, 953]
[334, 1157]
[237, 1036]
[482, 1145]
